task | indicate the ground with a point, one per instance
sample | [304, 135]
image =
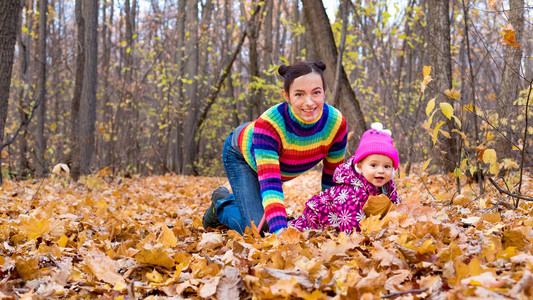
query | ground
[113, 238]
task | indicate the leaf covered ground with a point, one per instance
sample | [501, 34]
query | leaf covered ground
[143, 238]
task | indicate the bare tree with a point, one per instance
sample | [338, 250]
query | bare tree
[191, 69]
[510, 83]
[324, 44]
[440, 59]
[74, 155]
[88, 93]
[9, 22]
[40, 139]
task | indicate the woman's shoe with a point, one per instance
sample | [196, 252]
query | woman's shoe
[210, 216]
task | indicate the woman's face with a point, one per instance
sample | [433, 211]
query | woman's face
[306, 97]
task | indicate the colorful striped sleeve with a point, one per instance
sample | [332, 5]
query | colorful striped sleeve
[267, 145]
[335, 155]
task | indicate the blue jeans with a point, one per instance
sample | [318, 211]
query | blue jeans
[244, 204]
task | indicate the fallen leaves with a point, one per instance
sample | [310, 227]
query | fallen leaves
[144, 237]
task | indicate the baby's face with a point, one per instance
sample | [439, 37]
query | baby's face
[377, 169]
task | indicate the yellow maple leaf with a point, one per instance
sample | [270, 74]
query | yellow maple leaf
[27, 268]
[200, 267]
[154, 276]
[291, 235]
[167, 237]
[155, 256]
[33, 228]
[371, 224]
[104, 268]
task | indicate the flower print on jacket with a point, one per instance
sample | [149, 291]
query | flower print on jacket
[341, 205]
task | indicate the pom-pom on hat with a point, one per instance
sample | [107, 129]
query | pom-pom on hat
[377, 141]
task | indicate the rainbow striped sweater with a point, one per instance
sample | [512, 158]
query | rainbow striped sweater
[279, 146]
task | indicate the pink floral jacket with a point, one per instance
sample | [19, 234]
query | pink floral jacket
[341, 206]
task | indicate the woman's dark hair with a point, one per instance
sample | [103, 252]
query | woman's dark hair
[289, 73]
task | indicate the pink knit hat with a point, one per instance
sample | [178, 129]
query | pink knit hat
[377, 141]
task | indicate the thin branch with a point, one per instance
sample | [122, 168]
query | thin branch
[26, 122]
[503, 191]
[213, 95]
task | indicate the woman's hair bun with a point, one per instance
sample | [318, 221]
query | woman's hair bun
[321, 65]
[282, 70]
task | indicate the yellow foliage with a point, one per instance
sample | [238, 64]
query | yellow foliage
[447, 109]
[489, 156]
[149, 231]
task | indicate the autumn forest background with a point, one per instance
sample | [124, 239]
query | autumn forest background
[134, 98]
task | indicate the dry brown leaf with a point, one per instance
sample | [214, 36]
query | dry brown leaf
[386, 257]
[156, 256]
[27, 268]
[209, 288]
[167, 237]
[210, 240]
[377, 206]
[291, 235]
[486, 279]
[104, 268]
[509, 36]
[394, 282]
[230, 284]
[372, 282]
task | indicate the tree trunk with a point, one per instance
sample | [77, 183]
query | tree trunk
[441, 72]
[192, 99]
[510, 84]
[88, 93]
[9, 22]
[180, 32]
[254, 95]
[320, 29]
[74, 160]
[106, 147]
[24, 169]
[40, 140]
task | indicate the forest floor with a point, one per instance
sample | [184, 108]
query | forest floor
[113, 238]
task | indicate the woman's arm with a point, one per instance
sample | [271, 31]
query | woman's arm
[266, 151]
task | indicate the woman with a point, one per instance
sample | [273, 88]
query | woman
[285, 141]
